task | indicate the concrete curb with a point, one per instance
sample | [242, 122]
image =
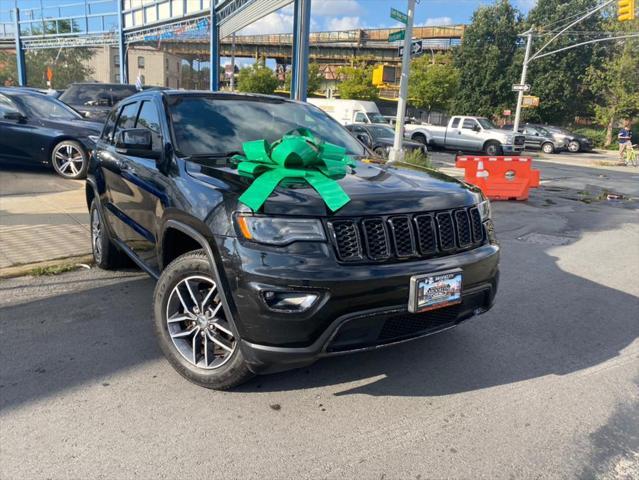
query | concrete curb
[27, 268]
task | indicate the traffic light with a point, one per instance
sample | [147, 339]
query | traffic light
[625, 10]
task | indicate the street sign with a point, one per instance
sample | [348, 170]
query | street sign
[396, 36]
[530, 101]
[399, 16]
[523, 87]
[507, 113]
[416, 49]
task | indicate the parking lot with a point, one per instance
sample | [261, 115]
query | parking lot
[543, 386]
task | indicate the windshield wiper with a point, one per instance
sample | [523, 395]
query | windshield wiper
[213, 156]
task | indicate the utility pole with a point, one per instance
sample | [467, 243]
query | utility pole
[524, 72]
[396, 154]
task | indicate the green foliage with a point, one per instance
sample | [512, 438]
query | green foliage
[487, 60]
[596, 134]
[558, 79]
[357, 83]
[257, 78]
[417, 157]
[314, 79]
[69, 64]
[433, 85]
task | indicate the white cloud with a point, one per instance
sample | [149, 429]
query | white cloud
[437, 22]
[526, 4]
[329, 8]
[344, 23]
[276, 22]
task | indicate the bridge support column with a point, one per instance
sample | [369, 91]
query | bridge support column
[301, 29]
[20, 63]
[214, 51]
[122, 53]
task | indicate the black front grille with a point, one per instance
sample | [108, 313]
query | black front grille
[401, 237]
[520, 140]
[397, 327]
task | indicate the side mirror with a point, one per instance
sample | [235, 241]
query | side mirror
[365, 139]
[137, 142]
[16, 116]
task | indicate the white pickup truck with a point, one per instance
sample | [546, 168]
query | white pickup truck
[475, 134]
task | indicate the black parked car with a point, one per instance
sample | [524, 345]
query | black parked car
[95, 100]
[574, 143]
[242, 292]
[380, 138]
[538, 138]
[38, 129]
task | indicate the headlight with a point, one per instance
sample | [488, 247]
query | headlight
[484, 210]
[280, 231]
[510, 138]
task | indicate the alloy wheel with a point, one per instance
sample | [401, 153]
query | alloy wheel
[574, 146]
[197, 324]
[68, 159]
[96, 235]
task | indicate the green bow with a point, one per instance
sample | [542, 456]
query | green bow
[298, 155]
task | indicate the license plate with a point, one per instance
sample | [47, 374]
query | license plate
[436, 290]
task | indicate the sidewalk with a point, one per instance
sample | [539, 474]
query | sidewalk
[38, 227]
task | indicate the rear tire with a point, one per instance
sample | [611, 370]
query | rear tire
[191, 327]
[105, 254]
[70, 159]
[421, 138]
[574, 146]
[493, 149]
[548, 148]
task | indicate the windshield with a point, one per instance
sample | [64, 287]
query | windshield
[97, 94]
[379, 131]
[486, 124]
[375, 117]
[208, 125]
[48, 107]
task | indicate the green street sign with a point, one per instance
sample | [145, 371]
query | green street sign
[396, 36]
[399, 16]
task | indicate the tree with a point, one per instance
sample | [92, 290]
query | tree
[357, 83]
[257, 78]
[432, 85]
[69, 65]
[559, 79]
[485, 60]
[315, 78]
[615, 86]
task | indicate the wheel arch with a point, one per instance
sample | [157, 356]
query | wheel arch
[421, 133]
[492, 140]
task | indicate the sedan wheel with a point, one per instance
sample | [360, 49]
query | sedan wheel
[69, 159]
[574, 146]
[548, 148]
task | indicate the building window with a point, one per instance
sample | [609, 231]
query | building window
[142, 80]
[117, 77]
[166, 82]
[116, 60]
[166, 64]
[140, 62]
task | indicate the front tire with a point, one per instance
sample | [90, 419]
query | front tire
[191, 327]
[574, 146]
[381, 152]
[70, 159]
[493, 149]
[548, 148]
[421, 138]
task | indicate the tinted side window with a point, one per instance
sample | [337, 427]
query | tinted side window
[469, 124]
[107, 132]
[360, 117]
[455, 123]
[149, 119]
[128, 114]
[6, 105]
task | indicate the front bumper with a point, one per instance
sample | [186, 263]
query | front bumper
[359, 307]
[508, 149]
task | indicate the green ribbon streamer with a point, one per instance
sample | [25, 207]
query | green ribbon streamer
[298, 155]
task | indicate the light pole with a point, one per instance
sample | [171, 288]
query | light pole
[524, 73]
[396, 154]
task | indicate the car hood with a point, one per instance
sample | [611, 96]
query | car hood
[373, 189]
[84, 126]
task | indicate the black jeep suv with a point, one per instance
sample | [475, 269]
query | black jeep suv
[241, 292]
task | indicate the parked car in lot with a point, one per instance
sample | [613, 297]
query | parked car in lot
[95, 100]
[241, 292]
[380, 139]
[538, 138]
[38, 129]
[573, 142]
[475, 134]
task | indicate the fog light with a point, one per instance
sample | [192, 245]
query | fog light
[289, 301]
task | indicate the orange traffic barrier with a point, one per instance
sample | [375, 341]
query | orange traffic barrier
[500, 178]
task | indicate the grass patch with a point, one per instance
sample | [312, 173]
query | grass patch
[53, 270]
[417, 157]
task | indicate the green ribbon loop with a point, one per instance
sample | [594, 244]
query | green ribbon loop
[298, 155]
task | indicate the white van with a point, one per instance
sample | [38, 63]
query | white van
[347, 112]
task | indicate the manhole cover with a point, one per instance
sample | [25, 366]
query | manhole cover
[545, 239]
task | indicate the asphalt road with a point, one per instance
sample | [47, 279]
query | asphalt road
[543, 386]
